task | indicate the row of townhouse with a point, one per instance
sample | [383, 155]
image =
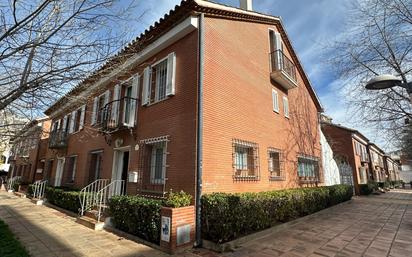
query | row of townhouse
[354, 152]
[211, 98]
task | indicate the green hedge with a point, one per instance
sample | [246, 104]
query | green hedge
[367, 189]
[137, 215]
[229, 216]
[68, 200]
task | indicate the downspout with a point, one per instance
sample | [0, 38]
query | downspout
[199, 143]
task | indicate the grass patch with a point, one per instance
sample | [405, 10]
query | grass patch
[9, 246]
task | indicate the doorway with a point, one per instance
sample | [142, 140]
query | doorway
[59, 172]
[121, 166]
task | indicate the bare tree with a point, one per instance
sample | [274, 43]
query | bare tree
[378, 41]
[48, 46]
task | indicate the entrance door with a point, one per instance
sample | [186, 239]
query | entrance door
[59, 172]
[121, 167]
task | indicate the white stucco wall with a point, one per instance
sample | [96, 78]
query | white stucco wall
[330, 168]
[406, 173]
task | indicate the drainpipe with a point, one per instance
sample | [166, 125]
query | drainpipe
[199, 143]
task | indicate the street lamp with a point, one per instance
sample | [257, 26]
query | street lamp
[388, 81]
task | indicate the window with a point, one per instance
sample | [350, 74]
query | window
[100, 106]
[77, 120]
[158, 83]
[66, 123]
[362, 175]
[70, 171]
[95, 168]
[275, 102]
[275, 164]
[286, 106]
[308, 167]
[159, 80]
[127, 104]
[245, 160]
[158, 163]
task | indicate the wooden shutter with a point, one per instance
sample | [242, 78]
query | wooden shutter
[72, 121]
[116, 104]
[278, 46]
[146, 86]
[286, 106]
[64, 122]
[171, 72]
[133, 103]
[59, 124]
[94, 113]
[82, 115]
[275, 100]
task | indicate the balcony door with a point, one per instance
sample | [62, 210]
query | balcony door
[59, 172]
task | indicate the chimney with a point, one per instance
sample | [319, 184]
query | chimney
[246, 5]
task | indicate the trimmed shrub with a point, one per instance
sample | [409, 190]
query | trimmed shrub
[30, 190]
[137, 215]
[177, 200]
[68, 200]
[229, 216]
[367, 189]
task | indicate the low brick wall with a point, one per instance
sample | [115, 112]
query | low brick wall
[178, 228]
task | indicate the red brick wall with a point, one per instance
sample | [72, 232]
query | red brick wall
[175, 117]
[238, 104]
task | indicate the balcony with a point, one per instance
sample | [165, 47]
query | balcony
[58, 139]
[110, 121]
[283, 70]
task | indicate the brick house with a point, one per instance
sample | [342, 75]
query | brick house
[208, 88]
[377, 163]
[391, 168]
[350, 147]
[29, 151]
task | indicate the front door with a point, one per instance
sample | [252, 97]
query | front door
[121, 166]
[59, 172]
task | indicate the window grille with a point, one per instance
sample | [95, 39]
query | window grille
[308, 168]
[245, 160]
[159, 80]
[276, 164]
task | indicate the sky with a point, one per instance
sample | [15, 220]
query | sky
[312, 25]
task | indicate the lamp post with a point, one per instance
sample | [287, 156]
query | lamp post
[388, 81]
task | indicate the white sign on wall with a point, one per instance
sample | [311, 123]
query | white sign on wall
[165, 235]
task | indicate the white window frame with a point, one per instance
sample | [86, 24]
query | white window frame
[286, 106]
[275, 100]
[156, 99]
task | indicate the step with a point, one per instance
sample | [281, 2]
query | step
[37, 201]
[20, 194]
[90, 223]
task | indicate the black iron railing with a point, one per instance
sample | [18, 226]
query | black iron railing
[280, 62]
[58, 139]
[118, 114]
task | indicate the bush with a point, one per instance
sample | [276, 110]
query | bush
[16, 186]
[229, 216]
[177, 200]
[137, 215]
[68, 200]
[30, 190]
[367, 189]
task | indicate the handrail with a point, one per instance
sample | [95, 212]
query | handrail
[280, 62]
[39, 188]
[88, 195]
[110, 122]
[12, 181]
[116, 187]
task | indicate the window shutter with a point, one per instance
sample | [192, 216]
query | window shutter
[59, 124]
[275, 101]
[146, 86]
[94, 113]
[286, 106]
[171, 72]
[64, 122]
[106, 98]
[278, 46]
[133, 107]
[116, 104]
[82, 115]
[72, 120]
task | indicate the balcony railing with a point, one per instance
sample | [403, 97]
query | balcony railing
[58, 139]
[118, 114]
[283, 69]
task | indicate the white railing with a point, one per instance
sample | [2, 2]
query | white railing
[116, 187]
[38, 189]
[12, 181]
[88, 195]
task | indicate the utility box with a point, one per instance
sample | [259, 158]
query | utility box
[133, 177]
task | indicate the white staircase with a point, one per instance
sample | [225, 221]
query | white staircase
[39, 187]
[11, 182]
[88, 195]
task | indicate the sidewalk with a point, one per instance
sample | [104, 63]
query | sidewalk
[46, 232]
